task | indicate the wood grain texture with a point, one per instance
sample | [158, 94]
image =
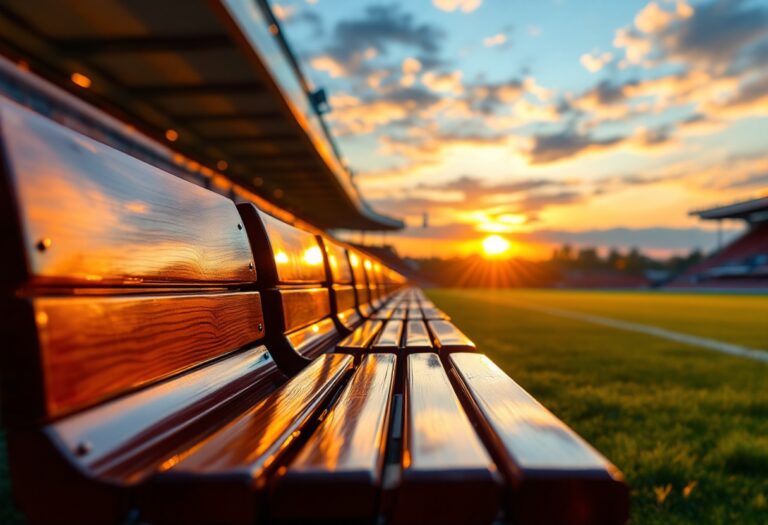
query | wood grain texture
[344, 297]
[448, 338]
[389, 338]
[304, 307]
[337, 474]
[92, 215]
[556, 477]
[361, 338]
[96, 347]
[445, 466]
[216, 481]
[298, 255]
[131, 436]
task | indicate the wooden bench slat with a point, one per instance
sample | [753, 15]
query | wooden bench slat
[389, 337]
[92, 215]
[556, 477]
[384, 313]
[304, 307]
[417, 337]
[337, 474]
[415, 313]
[346, 305]
[361, 338]
[434, 313]
[313, 339]
[448, 476]
[341, 273]
[218, 481]
[94, 347]
[448, 338]
[129, 437]
[298, 256]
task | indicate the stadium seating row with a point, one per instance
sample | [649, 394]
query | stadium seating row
[194, 361]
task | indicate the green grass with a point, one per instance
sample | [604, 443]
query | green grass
[687, 426]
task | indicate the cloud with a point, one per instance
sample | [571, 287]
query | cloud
[329, 65]
[444, 82]
[495, 40]
[466, 6]
[595, 61]
[712, 36]
[353, 115]
[380, 27]
[546, 148]
[755, 180]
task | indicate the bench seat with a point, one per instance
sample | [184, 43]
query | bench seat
[221, 480]
[338, 474]
[553, 475]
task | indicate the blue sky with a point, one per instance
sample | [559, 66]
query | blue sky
[552, 121]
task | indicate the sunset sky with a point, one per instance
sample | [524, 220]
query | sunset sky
[588, 122]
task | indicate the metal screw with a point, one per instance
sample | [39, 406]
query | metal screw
[260, 327]
[83, 448]
[250, 266]
[239, 226]
[44, 244]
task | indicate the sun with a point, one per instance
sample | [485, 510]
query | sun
[495, 246]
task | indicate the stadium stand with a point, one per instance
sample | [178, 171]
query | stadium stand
[743, 263]
[179, 348]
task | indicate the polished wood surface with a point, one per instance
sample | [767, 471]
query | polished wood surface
[304, 307]
[361, 338]
[417, 337]
[345, 297]
[215, 481]
[358, 272]
[389, 338]
[337, 474]
[345, 305]
[311, 340]
[448, 476]
[129, 437]
[92, 215]
[384, 313]
[399, 313]
[448, 338]
[434, 313]
[414, 312]
[556, 477]
[95, 347]
[298, 256]
[341, 273]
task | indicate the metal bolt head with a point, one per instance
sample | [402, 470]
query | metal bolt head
[44, 243]
[250, 266]
[260, 326]
[83, 448]
[239, 226]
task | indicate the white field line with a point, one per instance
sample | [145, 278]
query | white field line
[704, 342]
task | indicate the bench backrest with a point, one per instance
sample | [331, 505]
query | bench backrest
[116, 275]
[344, 298]
[295, 287]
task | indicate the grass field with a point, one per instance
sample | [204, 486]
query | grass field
[687, 426]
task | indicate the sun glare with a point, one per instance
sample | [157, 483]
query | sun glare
[495, 246]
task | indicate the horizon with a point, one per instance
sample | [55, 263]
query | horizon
[560, 122]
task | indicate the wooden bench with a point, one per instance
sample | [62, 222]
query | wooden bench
[174, 358]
